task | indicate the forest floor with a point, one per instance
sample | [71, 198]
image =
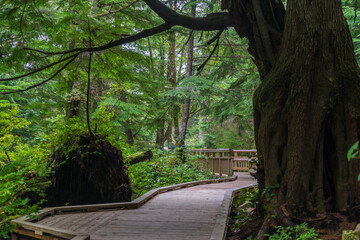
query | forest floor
[329, 227]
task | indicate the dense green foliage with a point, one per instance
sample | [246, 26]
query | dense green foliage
[299, 232]
[163, 170]
[248, 199]
[129, 81]
[23, 169]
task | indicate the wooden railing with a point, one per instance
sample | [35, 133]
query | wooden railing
[225, 161]
[242, 159]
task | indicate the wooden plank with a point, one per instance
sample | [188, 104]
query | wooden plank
[81, 237]
[104, 218]
[40, 229]
[27, 233]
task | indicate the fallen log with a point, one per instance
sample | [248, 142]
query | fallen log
[139, 157]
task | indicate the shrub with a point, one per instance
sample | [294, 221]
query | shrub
[165, 169]
[23, 170]
[247, 196]
[298, 232]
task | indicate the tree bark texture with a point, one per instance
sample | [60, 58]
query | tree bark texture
[306, 109]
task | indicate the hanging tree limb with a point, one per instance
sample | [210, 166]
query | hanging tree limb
[45, 81]
[217, 37]
[42, 68]
[132, 38]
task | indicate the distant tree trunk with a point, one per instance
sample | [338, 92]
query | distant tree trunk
[171, 73]
[127, 124]
[160, 123]
[186, 108]
[306, 109]
[175, 113]
[201, 132]
[74, 98]
[184, 121]
[168, 134]
[73, 105]
[160, 137]
[129, 133]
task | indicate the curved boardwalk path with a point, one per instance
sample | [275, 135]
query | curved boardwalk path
[189, 213]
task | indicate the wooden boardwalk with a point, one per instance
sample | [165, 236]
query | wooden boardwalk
[190, 213]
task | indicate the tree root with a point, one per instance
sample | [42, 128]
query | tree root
[264, 228]
[282, 216]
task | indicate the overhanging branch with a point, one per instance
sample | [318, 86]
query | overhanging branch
[45, 81]
[143, 34]
[215, 21]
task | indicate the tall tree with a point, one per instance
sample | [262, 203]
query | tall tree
[186, 107]
[306, 111]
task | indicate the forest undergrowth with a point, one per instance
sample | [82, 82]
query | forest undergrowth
[26, 171]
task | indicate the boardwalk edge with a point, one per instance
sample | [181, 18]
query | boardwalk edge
[27, 226]
[220, 228]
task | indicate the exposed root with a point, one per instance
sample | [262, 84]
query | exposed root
[264, 228]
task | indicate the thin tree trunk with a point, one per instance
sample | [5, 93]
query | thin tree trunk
[187, 101]
[175, 113]
[160, 134]
[171, 74]
[127, 124]
[201, 132]
[168, 133]
[129, 133]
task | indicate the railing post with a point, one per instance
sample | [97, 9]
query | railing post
[220, 156]
[212, 162]
[230, 162]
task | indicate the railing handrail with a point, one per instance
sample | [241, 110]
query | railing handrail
[211, 150]
[244, 150]
[223, 149]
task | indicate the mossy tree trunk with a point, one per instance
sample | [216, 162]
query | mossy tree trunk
[307, 108]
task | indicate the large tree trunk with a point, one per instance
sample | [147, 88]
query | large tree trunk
[306, 109]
